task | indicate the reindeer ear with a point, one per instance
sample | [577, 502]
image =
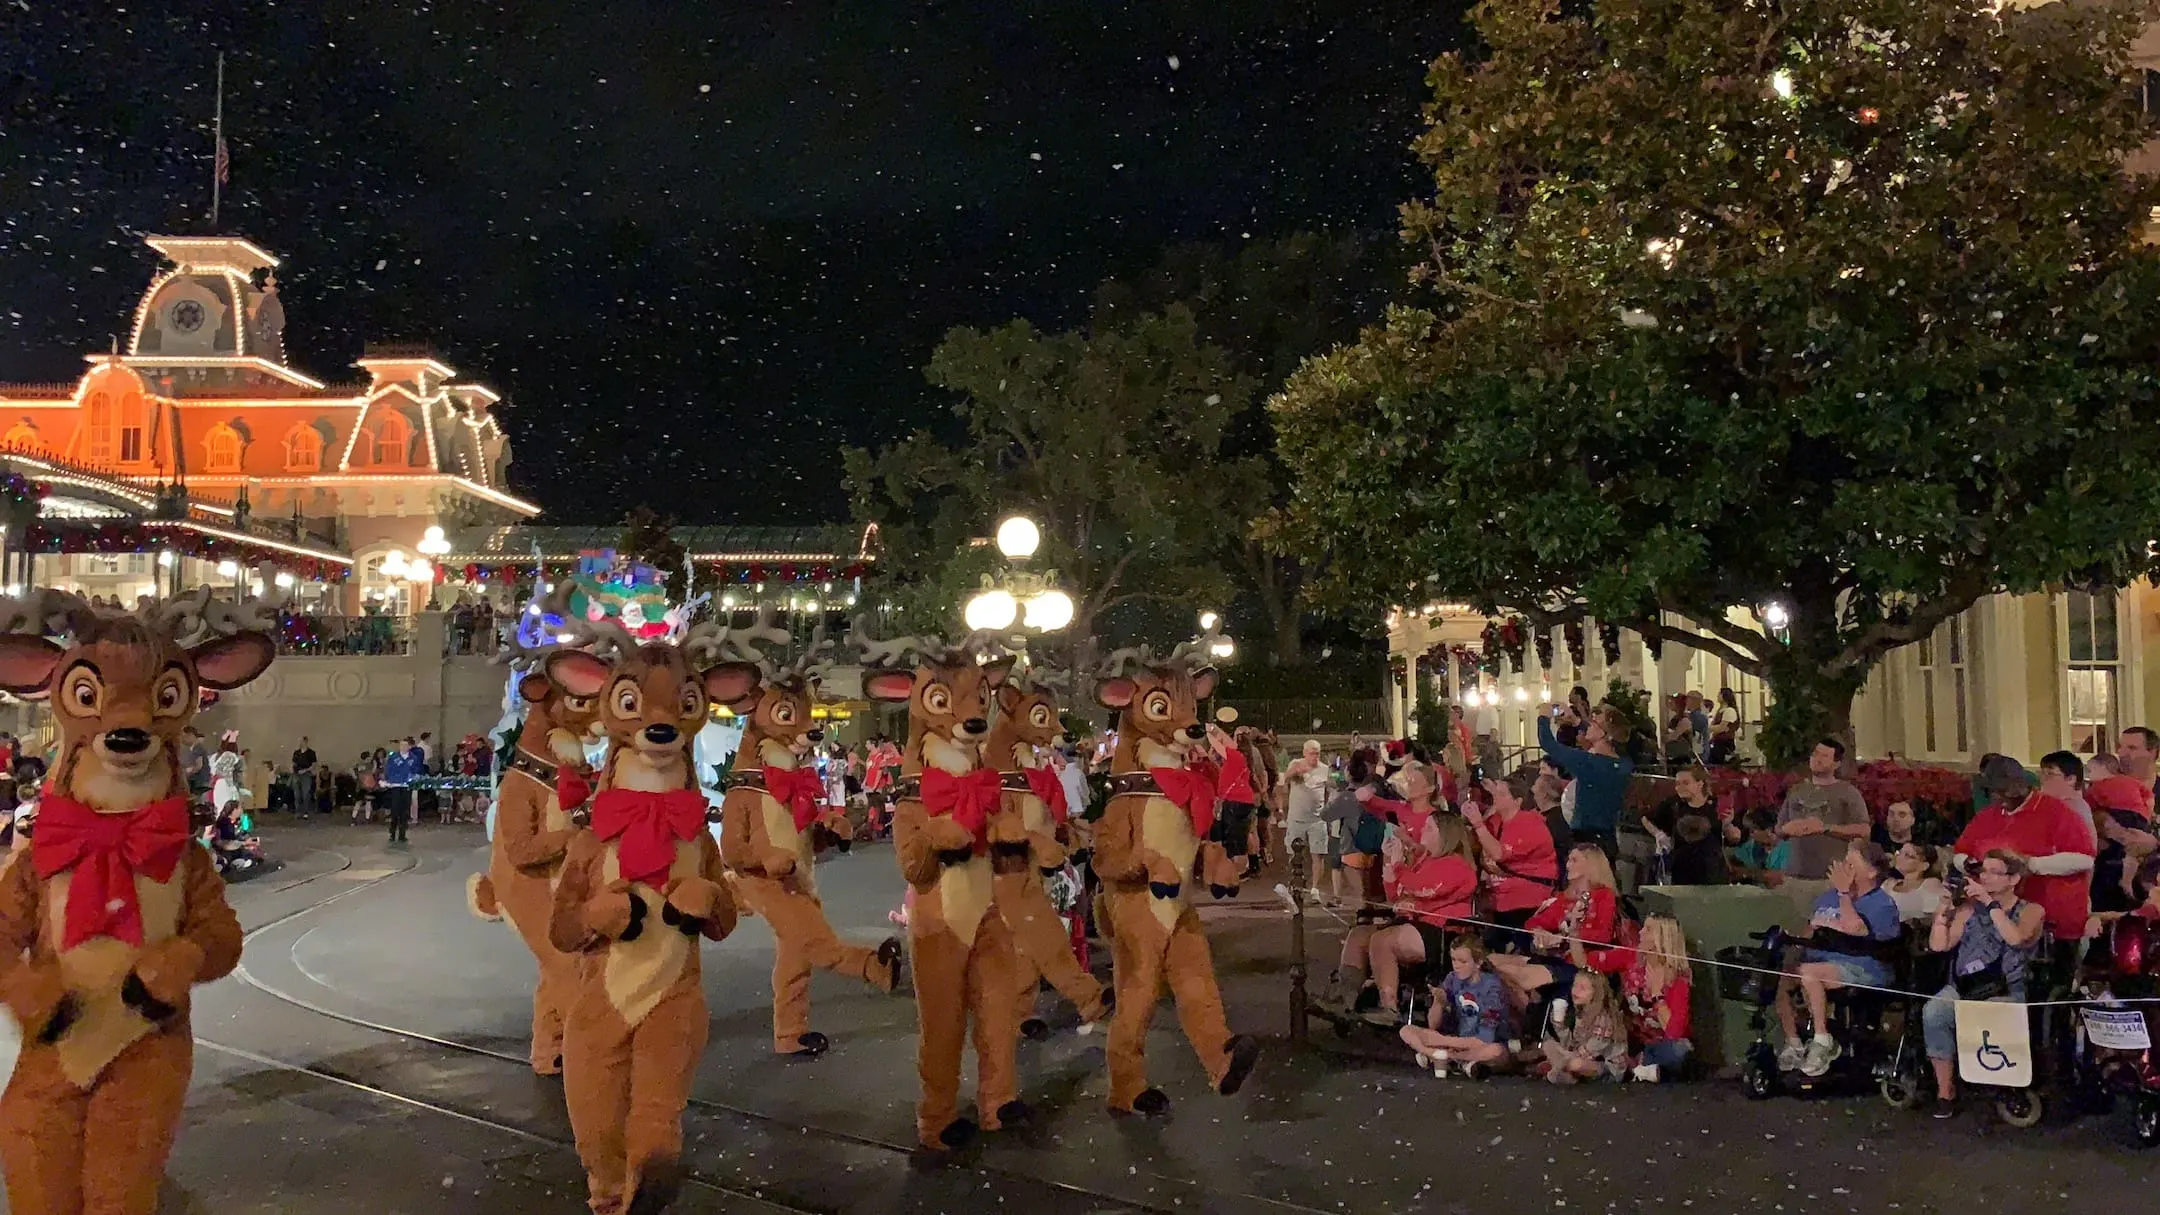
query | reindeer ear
[732, 683]
[533, 688]
[229, 662]
[994, 673]
[578, 672]
[1115, 693]
[1009, 697]
[1203, 683]
[892, 687]
[26, 664]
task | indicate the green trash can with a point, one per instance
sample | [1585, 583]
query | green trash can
[1713, 918]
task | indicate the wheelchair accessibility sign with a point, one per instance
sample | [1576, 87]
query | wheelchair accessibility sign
[1994, 1044]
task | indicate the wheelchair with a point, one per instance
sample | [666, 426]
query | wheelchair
[1880, 1031]
[2123, 1075]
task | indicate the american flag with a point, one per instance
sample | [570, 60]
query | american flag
[224, 163]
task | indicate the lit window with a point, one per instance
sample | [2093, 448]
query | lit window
[303, 449]
[99, 442]
[221, 450]
[24, 437]
[2091, 639]
[392, 435]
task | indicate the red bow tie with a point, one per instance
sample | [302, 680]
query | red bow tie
[649, 825]
[799, 789]
[968, 799]
[1044, 784]
[1192, 790]
[105, 852]
[572, 786]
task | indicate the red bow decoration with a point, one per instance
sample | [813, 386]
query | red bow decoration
[1195, 791]
[572, 786]
[968, 799]
[1044, 783]
[105, 852]
[799, 789]
[648, 825]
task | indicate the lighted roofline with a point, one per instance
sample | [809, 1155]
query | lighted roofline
[520, 558]
[134, 361]
[465, 483]
[479, 389]
[248, 538]
[422, 362]
[163, 243]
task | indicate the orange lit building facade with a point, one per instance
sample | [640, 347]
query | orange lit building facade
[328, 478]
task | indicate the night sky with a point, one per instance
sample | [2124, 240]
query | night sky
[699, 246]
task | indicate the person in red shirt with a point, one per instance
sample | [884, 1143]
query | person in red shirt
[1234, 790]
[1587, 911]
[1521, 868]
[2046, 831]
[1434, 882]
[1658, 991]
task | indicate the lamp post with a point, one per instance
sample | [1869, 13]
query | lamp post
[1031, 600]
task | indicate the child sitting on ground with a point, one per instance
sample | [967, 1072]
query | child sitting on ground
[1469, 1025]
[1657, 989]
[1585, 1036]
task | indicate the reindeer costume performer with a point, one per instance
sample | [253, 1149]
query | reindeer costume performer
[961, 952]
[544, 789]
[113, 915]
[774, 823]
[1025, 846]
[637, 891]
[1149, 853]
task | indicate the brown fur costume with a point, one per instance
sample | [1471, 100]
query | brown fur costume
[532, 834]
[90, 1114]
[774, 858]
[1025, 845]
[962, 953]
[636, 1024]
[1149, 857]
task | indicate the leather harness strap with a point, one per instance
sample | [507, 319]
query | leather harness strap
[533, 766]
[1135, 784]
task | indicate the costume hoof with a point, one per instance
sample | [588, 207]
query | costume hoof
[637, 919]
[1034, 1029]
[957, 1134]
[1163, 890]
[64, 1015]
[1222, 892]
[1244, 1052]
[656, 1189]
[810, 1046]
[890, 956]
[138, 997]
[1152, 1103]
[548, 1069]
[1015, 1115]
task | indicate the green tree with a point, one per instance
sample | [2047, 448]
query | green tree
[1270, 305]
[1834, 304]
[1109, 439]
[648, 537]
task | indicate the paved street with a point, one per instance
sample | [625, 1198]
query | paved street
[373, 1045]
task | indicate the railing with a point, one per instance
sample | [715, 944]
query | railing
[471, 635]
[306, 636]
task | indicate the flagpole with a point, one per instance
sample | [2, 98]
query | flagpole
[217, 151]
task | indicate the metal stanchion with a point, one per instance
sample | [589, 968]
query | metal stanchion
[1300, 881]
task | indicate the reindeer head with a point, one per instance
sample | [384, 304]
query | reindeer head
[1158, 710]
[1030, 713]
[947, 696]
[568, 722]
[121, 693]
[651, 705]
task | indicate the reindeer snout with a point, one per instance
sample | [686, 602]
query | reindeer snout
[1196, 731]
[661, 735]
[974, 726]
[815, 736]
[127, 741]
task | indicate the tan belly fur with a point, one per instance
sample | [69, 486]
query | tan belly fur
[638, 973]
[964, 893]
[1036, 815]
[95, 969]
[780, 829]
[1166, 829]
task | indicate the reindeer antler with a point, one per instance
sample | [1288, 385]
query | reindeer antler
[45, 612]
[893, 653]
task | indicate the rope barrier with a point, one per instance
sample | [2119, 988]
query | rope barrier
[1588, 945]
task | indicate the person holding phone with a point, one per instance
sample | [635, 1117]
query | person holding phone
[1993, 934]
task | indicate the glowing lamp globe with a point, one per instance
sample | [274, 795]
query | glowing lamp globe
[1223, 647]
[420, 571]
[1049, 611]
[1208, 621]
[433, 542]
[991, 610]
[1018, 538]
[393, 566]
[227, 569]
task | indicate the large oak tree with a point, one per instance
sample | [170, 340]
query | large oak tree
[1835, 304]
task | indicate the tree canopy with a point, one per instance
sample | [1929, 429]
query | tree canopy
[1109, 438]
[1835, 304]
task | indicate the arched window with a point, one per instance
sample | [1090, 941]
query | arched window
[221, 450]
[24, 437]
[133, 430]
[392, 435]
[303, 449]
[98, 439]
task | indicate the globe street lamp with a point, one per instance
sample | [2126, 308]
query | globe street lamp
[1031, 600]
[1018, 538]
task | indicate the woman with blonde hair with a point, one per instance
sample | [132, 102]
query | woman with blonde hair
[1584, 914]
[1658, 990]
[1431, 878]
